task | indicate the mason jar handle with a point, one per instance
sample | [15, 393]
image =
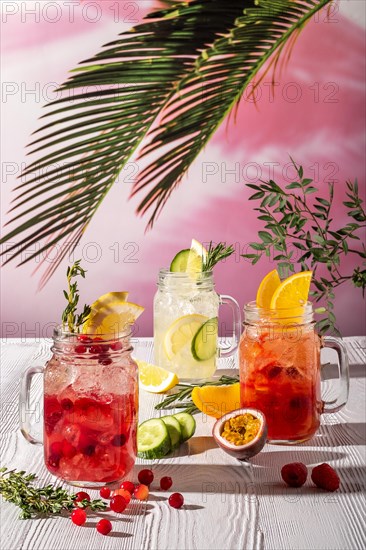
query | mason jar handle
[343, 369]
[24, 403]
[229, 350]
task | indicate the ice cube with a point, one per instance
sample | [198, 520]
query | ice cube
[72, 433]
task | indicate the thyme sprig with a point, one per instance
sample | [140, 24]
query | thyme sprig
[70, 318]
[302, 231]
[17, 487]
[216, 254]
[181, 399]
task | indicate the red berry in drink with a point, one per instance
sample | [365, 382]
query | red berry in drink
[294, 474]
[325, 477]
[141, 492]
[104, 526]
[82, 495]
[176, 500]
[165, 483]
[118, 440]
[56, 448]
[123, 493]
[145, 477]
[78, 516]
[67, 404]
[118, 504]
[84, 338]
[115, 346]
[80, 349]
[128, 486]
[105, 492]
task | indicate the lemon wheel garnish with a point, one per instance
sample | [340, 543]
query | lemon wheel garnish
[292, 293]
[155, 379]
[181, 333]
[113, 319]
[266, 289]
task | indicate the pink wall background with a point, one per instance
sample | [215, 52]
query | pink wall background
[317, 116]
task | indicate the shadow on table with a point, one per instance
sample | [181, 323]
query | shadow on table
[347, 433]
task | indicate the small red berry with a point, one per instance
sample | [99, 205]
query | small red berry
[145, 477]
[105, 492]
[104, 526]
[325, 477]
[118, 504]
[80, 349]
[123, 493]
[176, 500]
[67, 404]
[84, 338]
[78, 516]
[116, 346]
[165, 483]
[128, 486]
[294, 474]
[56, 448]
[82, 495]
[141, 492]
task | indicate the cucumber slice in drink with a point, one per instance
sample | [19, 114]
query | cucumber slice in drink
[174, 430]
[187, 424]
[204, 343]
[153, 440]
[179, 263]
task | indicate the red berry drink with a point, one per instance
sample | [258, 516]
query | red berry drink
[280, 375]
[90, 415]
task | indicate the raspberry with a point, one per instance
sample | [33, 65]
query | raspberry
[325, 477]
[294, 474]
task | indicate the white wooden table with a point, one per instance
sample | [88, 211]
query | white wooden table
[228, 504]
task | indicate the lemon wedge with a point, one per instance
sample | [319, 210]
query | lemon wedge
[292, 292]
[196, 258]
[181, 333]
[107, 299]
[216, 400]
[155, 379]
[267, 288]
[112, 319]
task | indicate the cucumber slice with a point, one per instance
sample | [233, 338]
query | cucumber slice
[179, 263]
[204, 342]
[187, 424]
[153, 440]
[174, 430]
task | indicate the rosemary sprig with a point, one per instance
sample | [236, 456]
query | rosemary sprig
[216, 254]
[300, 230]
[18, 488]
[181, 399]
[69, 316]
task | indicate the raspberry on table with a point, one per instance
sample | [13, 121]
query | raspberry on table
[294, 474]
[325, 477]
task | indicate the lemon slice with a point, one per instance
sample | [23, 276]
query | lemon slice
[112, 319]
[196, 258]
[216, 400]
[155, 379]
[107, 299]
[266, 289]
[292, 292]
[181, 333]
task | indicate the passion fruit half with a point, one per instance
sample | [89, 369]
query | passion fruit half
[249, 449]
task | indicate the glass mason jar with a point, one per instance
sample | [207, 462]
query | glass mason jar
[90, 408]
[186, 324]
[279, 363]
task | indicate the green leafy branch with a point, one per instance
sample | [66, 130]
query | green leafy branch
[69, 316]
[18, 488]
[293, 221]
[216, 254]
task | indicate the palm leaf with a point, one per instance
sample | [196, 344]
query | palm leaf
[206, 96]
[149, 83]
